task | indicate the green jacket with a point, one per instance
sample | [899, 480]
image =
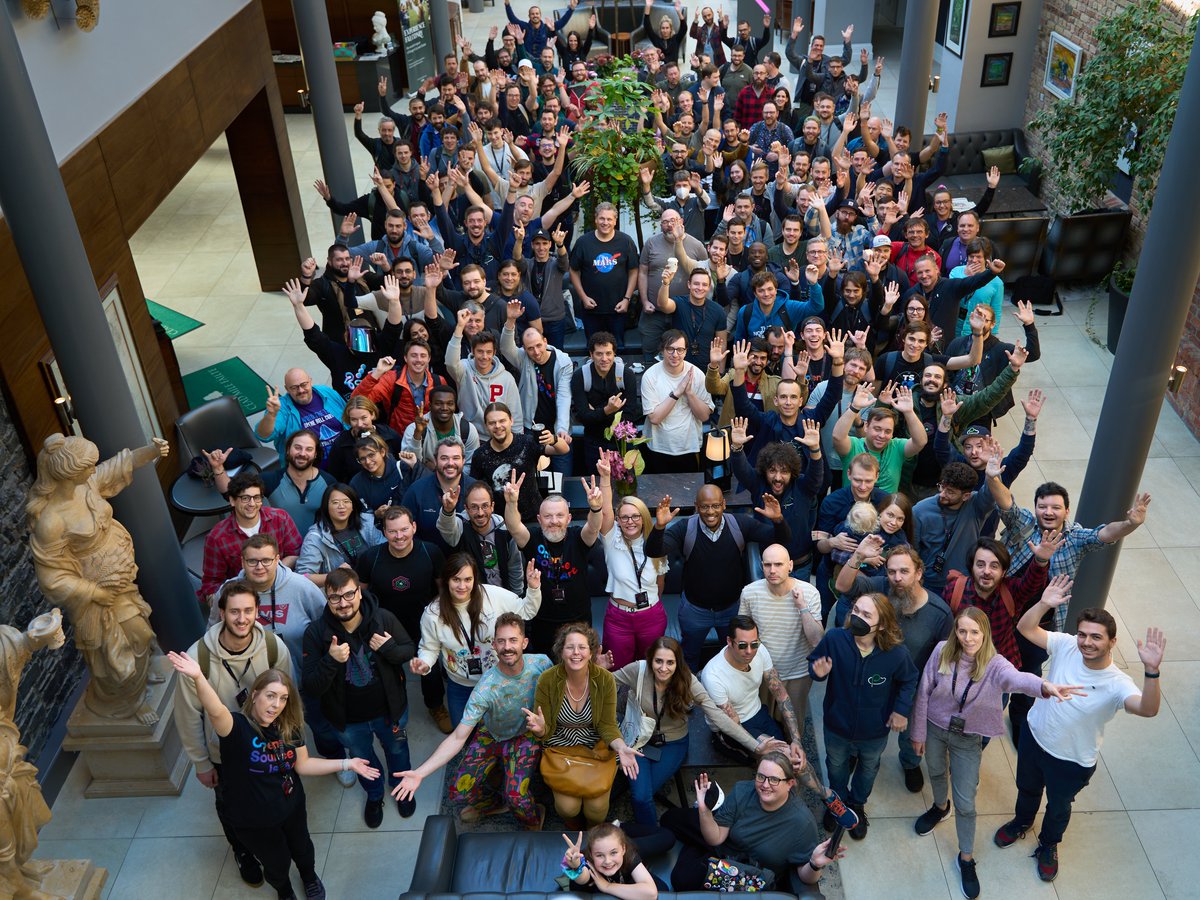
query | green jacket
[976, 406]
[552, 685]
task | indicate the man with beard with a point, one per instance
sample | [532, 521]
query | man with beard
[479, 530]
[760, 387]
[408, 128]
[477, 243]
[443, 420]
[543, 277]
[657, 252]
[334, 294]
[995, 351]
[354, 658]
[545, 381]
[947, 525]
[924, 617]
[296, 488]
[493, 730]
[879, 433]
[559, 554]
[402, 575]
[777, 471]
[397, 243]
[424, 497]
[748, 109]
[361, 418]
[402, 396]
[757, 259]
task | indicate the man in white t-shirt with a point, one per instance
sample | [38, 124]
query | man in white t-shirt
[1058, 749]
[789, 612]
[677, 405]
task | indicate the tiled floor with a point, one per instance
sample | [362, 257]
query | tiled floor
[1133, 834]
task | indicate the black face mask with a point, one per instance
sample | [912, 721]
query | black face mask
[859, 627]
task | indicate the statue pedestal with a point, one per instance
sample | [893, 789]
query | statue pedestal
[73, 879]
[125, 757]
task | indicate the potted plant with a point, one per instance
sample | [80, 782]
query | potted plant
[1120, 286]
[1030, 170]
[626, 461]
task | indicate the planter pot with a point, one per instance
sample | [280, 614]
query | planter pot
[1118, 303]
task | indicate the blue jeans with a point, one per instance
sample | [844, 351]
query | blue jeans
[762, 723]
[652, 775]
[908, 756]
[457, 696]
[838, 751]
[325, 736]
[359, 738]
[694, 625]
[613, 323]
[555, 332]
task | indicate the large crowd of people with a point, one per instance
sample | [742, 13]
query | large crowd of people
[809, 289]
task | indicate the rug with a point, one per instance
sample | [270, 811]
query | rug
[230, 377]
[174, 323]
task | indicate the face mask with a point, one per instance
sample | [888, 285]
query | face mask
[859, 626]
[682, 194]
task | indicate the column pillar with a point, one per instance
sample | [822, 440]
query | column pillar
[1158, 306]
[916, 65]
[439, 29]
[34, 202]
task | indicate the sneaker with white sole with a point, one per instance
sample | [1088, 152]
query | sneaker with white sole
[930, 818]
[968, 879]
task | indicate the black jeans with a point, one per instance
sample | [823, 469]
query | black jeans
[276, 847]
[1032, 658]
[1062, 781]
[223, 815]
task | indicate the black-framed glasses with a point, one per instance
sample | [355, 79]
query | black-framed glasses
[752, 645]
[772, 780]
[258, 563]
[346, 597]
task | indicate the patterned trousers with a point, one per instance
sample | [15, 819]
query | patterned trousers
[519, 757]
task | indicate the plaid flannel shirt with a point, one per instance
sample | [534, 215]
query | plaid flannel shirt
[223, 547]
[1025, 589]
[1021, 526]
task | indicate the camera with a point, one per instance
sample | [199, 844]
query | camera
[657, 740]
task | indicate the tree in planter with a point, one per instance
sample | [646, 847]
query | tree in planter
[1128, 88]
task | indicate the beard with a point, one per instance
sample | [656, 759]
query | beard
[904, 599]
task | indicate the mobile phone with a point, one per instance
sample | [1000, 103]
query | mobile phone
[835, 842]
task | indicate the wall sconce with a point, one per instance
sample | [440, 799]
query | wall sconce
[302, 96]
[66, 415]
[934, 83]
[1178, 373]
[716, 458]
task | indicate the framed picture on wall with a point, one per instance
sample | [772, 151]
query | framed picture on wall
[1004, 19]
[1062, 66]
[996, 69]
[956, 26]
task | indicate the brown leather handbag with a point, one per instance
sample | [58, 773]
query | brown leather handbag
[579, 771]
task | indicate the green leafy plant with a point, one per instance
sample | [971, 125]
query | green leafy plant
[1122, 277]
[1124, 103]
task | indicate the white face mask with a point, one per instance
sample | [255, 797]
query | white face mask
[682, 193]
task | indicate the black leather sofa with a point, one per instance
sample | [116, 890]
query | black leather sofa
[964, 162]
[512, 866]
[1019, 241]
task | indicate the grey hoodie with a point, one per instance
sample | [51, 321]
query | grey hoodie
[477, 389]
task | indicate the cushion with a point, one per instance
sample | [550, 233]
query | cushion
[1004, 158]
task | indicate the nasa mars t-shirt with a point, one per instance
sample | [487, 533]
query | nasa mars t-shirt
[604, 268]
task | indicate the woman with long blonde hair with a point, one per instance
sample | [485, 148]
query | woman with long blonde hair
[960, 704]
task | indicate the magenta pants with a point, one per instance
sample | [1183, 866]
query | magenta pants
[628, 634]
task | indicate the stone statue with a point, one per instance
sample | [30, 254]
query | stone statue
[380, 38]
[22, 808]
[84, 562]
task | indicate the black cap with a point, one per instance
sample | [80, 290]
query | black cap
[848, 203]
[541, 235]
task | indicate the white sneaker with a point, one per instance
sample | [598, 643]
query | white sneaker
[347, 778]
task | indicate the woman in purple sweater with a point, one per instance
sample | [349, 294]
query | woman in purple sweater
[959, 703]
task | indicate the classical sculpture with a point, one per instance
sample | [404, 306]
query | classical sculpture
[380, 38]
[22, 808]
[84, 562]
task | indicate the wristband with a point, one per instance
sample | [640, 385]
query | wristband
[345, 764]
[1152, 674]
[574, 873]
[215, 472]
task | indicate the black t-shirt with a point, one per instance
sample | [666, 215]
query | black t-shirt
[700, 324]
[894, 367]
[255, 763]
[364, 695]
[404, 586]
[563, 565]
[623, 875]
[604, 268]
[547, 394]
[494, 468]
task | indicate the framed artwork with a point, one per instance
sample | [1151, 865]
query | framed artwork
[1004, 19]
[1062, 66]
[996, 69]
[956, 26]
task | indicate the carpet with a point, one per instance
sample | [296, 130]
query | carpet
[174, 323]
[230, 377]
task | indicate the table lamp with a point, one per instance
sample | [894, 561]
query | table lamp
[716, 458]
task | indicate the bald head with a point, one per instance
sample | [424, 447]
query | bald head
[298, 385]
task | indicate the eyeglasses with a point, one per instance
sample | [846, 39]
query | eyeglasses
[302, 386]
[707, 507]
[674, 351]
[249, 498]
[753, 645]
[633, 518]
[772, 780]
[340, 599]
[258, 563]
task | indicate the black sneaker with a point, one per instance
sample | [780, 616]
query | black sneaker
[406, 807]
[314, 890]
[1009, 833]
[249, 868]
[929, 819]
[969, 880]
[914, 780]
[373, 813]
[859, 831]
[1047, 861]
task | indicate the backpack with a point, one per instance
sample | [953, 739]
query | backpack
[783, 314]
[960, 587]
[693, 529]
[204, 657]
[633, 397]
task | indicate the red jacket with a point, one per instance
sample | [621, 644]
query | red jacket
[393, 386]
[905, 258]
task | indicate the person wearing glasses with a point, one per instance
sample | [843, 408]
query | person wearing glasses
[354, 658]
[223, 545]
[677, 405]
[302, 405]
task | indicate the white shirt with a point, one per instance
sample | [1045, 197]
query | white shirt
[780, 627]
[725, 684]
[679, 433]
[1074, 729]
[623, 582]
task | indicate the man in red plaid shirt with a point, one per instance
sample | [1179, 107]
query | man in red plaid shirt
[223, 546]
[748, 111]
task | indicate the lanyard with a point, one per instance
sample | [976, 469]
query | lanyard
[273, 602]
[954, 689]
[237, 678]
[637, 570]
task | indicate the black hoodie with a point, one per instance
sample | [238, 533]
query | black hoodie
[324, 677]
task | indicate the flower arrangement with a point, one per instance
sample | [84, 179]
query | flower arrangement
[626, 461]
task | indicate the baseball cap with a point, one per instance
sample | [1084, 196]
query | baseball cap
[881, 240]
[848, 204]
[541, 235]
[523, 63]
[977, 431]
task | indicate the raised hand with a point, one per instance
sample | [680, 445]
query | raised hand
[1024, 312]
[950, 403]
[812, 273]
[385, 365]
[450, 500]
[595, 497]
[663, 514]
[1058, 591]
[1033, 402]
[338, 652]
[513, 310]
[1137, 512]
[216, 458]
[904, 400]
[533, 576]
[716, 351]
[322, 189]
[433, 276]
[535, 721]
[295, 291]
[1051, 541]
[770, 508]
[272, 401]
[822, 666]
[382, 87]
[995, 467]
[512, 489]
[835, 344]
[1062, 692]
[358, 109]
[349, 225]
[741, 356]
[308, 268]
[737, 433]
[185, 665]
[574, 855]
[1017, 356]
[864, 396]
[1152, 649]
[701, 785]
[993, 177]
[811, 439]
[356, 268]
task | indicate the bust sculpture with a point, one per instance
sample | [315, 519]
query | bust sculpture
[85, 563]
[380, 38]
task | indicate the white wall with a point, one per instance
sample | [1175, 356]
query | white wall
[84, 79]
